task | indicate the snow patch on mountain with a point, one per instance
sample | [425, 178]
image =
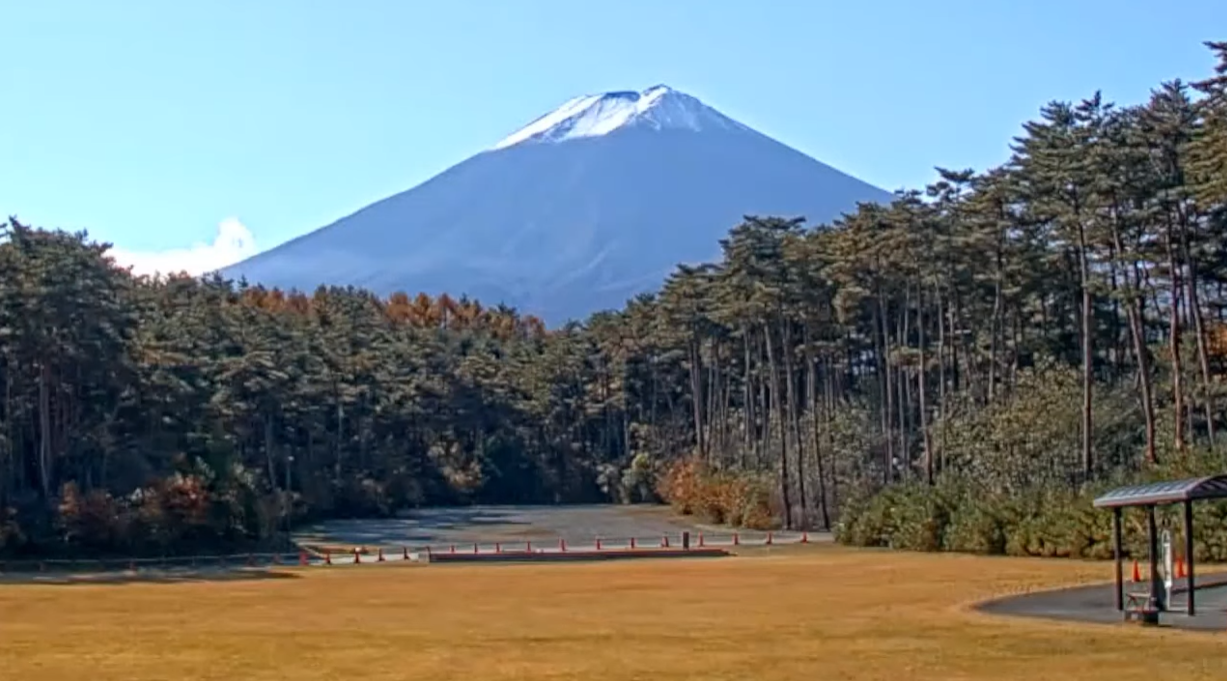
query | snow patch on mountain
[636, 183]
[659, 108]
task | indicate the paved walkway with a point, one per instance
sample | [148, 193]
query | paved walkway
[1096, 603]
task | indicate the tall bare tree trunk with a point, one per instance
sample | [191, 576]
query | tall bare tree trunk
[44, 430]
[1195, 311]
[794, 420]
[774, 370]
[922, 388]
[811, 396]
[1088, 358]
[828, 419]
[751, 441]
[1174, 348]
[1137, 332]
[887, 392]
[696, 393]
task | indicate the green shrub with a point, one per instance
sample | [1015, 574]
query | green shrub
[1012, 480]
[973, 529]
[1036, 522]
[921, 514]
[867, 519]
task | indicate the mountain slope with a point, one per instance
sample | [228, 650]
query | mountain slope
[577, 212]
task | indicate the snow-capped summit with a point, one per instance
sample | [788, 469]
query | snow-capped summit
[580, 210]
[658, 107]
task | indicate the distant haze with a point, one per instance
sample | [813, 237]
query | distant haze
[582, 209]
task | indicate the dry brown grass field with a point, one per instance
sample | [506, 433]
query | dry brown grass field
[802, 613]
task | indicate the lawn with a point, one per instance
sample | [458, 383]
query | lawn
[813, 613]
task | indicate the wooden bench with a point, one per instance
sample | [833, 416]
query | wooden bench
[1136, 599]
[1138, 607]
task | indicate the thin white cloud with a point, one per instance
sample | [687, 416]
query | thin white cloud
[233, 243]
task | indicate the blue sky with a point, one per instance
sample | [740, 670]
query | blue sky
[150, 122]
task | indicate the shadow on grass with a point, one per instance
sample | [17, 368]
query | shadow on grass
[488, 524]
[143, 577]
[426, 526]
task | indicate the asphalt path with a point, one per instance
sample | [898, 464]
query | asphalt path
[1096, 603]
[481, 528]
[573, 524]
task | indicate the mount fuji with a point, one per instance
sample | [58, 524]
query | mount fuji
[578, 211]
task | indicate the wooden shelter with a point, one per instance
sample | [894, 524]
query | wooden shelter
[1149, 496]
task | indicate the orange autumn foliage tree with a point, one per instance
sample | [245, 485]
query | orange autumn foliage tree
[718, 497]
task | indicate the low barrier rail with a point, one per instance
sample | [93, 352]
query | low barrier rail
[381, 553]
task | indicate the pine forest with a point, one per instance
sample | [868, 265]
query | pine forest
[959, 370]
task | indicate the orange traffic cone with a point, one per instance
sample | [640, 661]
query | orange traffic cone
[1180, 572]
[1137, 573]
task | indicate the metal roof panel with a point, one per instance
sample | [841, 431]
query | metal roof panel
[1165, 492]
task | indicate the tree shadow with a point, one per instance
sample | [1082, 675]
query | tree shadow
[144, 577]
[440, 526]
[430, 526]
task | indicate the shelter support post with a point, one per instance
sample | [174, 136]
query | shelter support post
[1116, 555]
[1156, 586]
[1190, 595]
[1150, 495]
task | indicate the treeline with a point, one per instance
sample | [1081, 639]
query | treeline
[159, 415]
[927, 373]
[964, 368]
[1095, 262]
